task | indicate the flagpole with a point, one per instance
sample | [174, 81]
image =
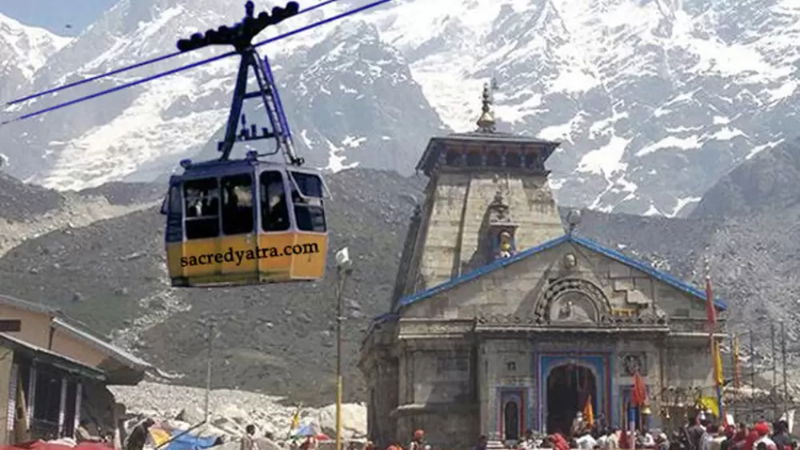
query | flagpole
[736, 374]
[711, 314]
[783, 357]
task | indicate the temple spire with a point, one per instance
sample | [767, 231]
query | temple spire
[486, 122]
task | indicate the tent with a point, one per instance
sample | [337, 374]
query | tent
[181, 440]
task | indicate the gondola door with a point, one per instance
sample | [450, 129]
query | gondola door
[277, 227]
[239, 208]
[309, 247]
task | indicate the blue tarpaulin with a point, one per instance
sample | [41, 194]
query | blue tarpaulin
[189, 441]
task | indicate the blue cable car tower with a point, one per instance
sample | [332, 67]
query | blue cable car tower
[240, 36]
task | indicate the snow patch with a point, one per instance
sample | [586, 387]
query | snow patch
[720, 120]
[304, 137]
[761, 148]
[556, 183]
[574, 81]
[336, 160]
[652, 211]
[607, 159]
[681, 203]
[687, 143]
[727, 134]
[353, 142]
[784, 91]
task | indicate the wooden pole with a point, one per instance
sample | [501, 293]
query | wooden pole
[773, 388]
[208, 368]
[752, 371]
[735, 358]
[783, 357]
[342, 272]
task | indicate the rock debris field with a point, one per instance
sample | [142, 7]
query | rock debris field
[232, 410]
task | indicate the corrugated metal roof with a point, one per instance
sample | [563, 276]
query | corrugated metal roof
[27, 305]
[585, 242]
[58, 360]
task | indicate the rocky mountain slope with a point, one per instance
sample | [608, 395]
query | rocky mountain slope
[654, 100]
[28, 211]
[279, 339]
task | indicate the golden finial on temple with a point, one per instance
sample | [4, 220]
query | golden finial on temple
[486, 122]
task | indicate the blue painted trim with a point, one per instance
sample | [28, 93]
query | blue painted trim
[500, 263]
[585, 242]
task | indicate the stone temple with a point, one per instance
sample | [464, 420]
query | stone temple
[504, 321]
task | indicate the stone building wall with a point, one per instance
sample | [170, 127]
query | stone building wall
[448, 359]
[453, 223]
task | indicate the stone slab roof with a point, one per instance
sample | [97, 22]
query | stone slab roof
[584, 242]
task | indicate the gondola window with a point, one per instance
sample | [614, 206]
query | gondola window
[274, 213]
[237, 204]
[202, 208]
[307, 196]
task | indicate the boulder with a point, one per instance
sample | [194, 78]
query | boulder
[354, 420]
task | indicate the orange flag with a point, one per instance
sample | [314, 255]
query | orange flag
[588, 412]
[639, 395]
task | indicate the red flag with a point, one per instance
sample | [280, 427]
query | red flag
[711, 313]
[639, 394]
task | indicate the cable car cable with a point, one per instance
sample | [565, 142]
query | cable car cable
[191, 66]
[132, 66]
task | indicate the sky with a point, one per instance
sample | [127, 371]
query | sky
[56, 15]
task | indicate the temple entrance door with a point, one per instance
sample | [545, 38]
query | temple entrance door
[512, 415]
[568, 388]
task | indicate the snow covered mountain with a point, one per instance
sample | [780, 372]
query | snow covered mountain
[23, 51]
[654, 100]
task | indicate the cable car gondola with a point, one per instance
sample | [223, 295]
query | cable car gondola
[249, 220]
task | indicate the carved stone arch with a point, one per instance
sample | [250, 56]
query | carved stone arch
[572, 300]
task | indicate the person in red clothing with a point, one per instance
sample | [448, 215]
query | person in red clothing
[762, 428]
[558, 441]
[752, 437]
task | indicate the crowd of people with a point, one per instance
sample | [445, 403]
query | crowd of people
[698, 434]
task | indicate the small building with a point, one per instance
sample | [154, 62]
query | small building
[53, 374]
[502, 321]
[44, 327]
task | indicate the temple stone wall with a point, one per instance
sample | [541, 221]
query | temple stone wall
[454, 216]
[451, 427]
[687, 363]
[382, 383]
[438, 254]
